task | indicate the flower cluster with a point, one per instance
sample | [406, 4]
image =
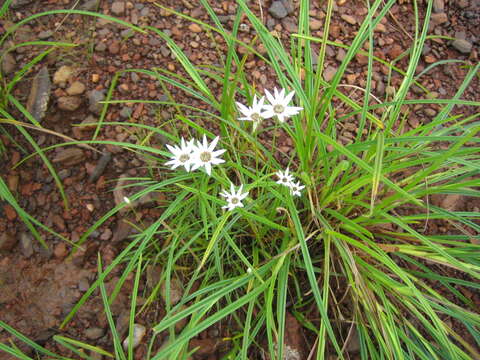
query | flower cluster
[288, 180]
[278, 107]
[193, 156]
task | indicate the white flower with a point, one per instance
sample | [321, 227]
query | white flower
[127, 200]
[279, 105]
[284, 177]
[234, 198]
[182, 155]
[203, 155]
[295, 188]
[253, 113]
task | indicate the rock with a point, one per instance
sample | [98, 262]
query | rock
[26, 244]
[94, 98]
[341, 55]
[126, 112]
[349, 19]
[464, 46]
[69, 103]
[100, 168]
[122, 231]
[16, 4]
[83, 284]
[39, 96]
[60, 251]
[139, 332]
[62, 75]
[12, 181]
[290, 25]
[451, 202]
[205, 348]
[8, 63]
[288, 6]
[176, 290]
[278, 10]
[118, 8]
[106, 235]
[329, 73]
[438, 6]
[76, 88]
[101, 46]
[90, 5]
[45, 34]
[315, 24]
[89, 123]
[194, 27]
[114, 47]
[7, 241]
[10, 212]
[438, 19]
[69, 156]
[94, 333]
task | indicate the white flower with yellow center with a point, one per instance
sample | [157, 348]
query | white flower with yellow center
[203, 154]
[253, 113]
[279, 105]
[182, 155]
[234, 198]
[295, 188]
[284, 177]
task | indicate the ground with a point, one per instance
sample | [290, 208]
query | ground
[39, 286]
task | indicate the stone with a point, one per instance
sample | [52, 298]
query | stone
[139, 332]
[341, 55]
[7, 242]
[69, 156]
[315, 24]
[8, 63]
[69, 103]
[63, 75]
[438, 19]
[278, 10]
[118, 8]
[76, 88]
[26, 244]
[194, 27]
[94, 98]
[10, 212]
[45, 34]
[101, 46]
[126, 112]
[40, 90]
[438, 6]
[329, 73]
[114, 47]
[94, 333]
[60, 250]
[349, 19]
[89, 5]
[290, 25]
[462, 45]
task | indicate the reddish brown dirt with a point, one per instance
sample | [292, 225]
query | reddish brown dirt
[39, 286]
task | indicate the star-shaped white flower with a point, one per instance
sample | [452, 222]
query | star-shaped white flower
[253, 113]
[279, 105]
[234, 198]
[203, 154]
[284, 177]
[182, 155]
[295, 188]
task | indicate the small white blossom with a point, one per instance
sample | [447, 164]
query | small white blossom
[249, 270]
[127, 200]
[284, 177]
[279, 105]
[253, 113]
[295, 188]
[182, 155]
[234, 198]
[204, 155]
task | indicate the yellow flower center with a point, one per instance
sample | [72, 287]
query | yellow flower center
[205, 156]
[278, 109]
[184, 158]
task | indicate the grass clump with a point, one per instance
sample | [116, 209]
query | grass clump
[352, 246]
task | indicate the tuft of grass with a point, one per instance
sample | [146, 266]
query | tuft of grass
[353, 247]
